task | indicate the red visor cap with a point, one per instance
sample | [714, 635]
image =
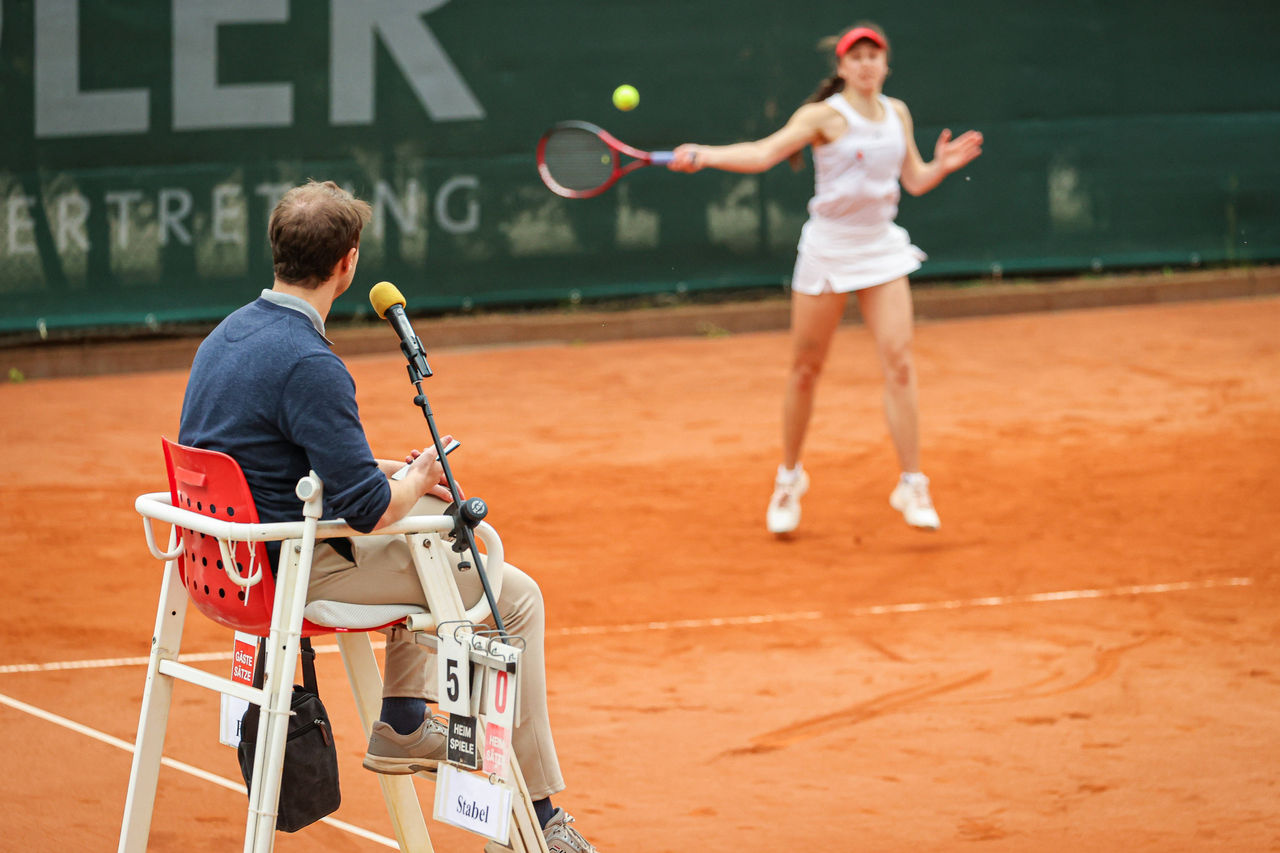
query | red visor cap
[856, 35]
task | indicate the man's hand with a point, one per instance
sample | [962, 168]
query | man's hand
[424, 477]
[435, 470]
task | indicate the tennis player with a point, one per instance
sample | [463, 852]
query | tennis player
[863, 150]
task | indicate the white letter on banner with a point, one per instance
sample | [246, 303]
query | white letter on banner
[171, 218]
[122, 200]
[199, 103]
[458, 226]
[406, 215]
[354, 26]
[61, 108]
[73, 212]
[20, 221]
[228, 207]
[272, 193]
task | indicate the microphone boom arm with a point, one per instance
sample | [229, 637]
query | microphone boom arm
[466, 517]
[389, 304]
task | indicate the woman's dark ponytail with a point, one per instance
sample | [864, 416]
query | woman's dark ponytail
[828, 87]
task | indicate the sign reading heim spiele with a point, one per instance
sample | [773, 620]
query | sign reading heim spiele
[161, 124]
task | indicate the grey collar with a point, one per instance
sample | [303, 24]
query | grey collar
[302, 306]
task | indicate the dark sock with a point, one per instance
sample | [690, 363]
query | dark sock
[403, 713]
[544, 810]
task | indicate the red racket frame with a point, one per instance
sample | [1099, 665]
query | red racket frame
[639, 160]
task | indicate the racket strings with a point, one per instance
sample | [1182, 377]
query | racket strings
[577, 159]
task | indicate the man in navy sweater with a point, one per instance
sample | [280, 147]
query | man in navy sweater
[266, 389]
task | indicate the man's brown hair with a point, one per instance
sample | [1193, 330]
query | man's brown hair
[311, 228]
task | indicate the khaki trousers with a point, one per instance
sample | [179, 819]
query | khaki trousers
[383, 573]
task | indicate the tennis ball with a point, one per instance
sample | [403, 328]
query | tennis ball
[625, 97]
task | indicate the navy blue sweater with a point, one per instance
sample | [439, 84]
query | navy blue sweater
[266, 390]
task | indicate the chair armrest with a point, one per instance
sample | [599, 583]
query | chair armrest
[159, 505]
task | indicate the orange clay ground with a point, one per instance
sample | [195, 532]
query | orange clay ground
[861, 687]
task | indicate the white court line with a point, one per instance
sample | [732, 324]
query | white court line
[189, 769]
[915, 607]
[728, 621]
[109, 663]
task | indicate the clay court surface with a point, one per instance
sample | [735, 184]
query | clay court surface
[860, 687]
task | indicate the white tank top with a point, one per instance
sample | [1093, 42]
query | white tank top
[856, 176]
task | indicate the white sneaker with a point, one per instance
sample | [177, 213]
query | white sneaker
[911, 498]
[560, 834]
[784, 507]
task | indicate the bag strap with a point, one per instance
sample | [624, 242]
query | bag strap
[308, 655]
[259, 670]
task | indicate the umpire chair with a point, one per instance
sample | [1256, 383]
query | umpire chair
[216, 558]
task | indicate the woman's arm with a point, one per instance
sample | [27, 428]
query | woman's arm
[949, 155]
[803, 128]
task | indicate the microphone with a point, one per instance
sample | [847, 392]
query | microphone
[388, 302]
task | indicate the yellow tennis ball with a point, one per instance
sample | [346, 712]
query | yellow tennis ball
[625, 97]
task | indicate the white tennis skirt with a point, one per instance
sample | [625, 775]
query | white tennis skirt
[842, 260]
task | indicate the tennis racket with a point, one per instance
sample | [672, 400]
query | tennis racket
[579, 160]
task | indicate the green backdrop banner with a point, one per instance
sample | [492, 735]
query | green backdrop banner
[146, 142]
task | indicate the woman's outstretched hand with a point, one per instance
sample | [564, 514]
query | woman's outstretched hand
[953, 154]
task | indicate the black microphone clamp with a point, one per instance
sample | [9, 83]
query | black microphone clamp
[418, 367]
[468, 513]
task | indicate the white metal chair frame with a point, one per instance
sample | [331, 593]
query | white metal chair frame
[423, 534]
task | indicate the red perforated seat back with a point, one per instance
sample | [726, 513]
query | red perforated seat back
[212, 484]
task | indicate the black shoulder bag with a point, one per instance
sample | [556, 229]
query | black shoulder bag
[309, 781]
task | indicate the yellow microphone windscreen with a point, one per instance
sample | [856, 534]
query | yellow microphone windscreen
[383, 295]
